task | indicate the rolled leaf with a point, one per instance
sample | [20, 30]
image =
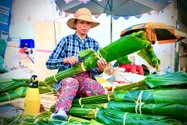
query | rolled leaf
[172, 96]
[177, 111]
[16, 93]
[11, 84]
[94, 99]
[116, 117]
[175, 78]
[83, 112]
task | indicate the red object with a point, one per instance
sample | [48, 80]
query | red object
[23, 50]
[133, 68]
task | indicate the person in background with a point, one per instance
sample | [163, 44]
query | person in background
[66, 55]
[145, 69]
[25, 50]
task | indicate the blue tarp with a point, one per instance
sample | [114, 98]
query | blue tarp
[29, 42]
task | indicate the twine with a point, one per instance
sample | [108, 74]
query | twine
[124, 118]
[98, 54]
[136, 107]
[113, 86]
[108, 97]
[69, 118]
[105, 105]
[96, 110]
[35, 121]
[48, 86]
[139, 102]
[22, 121]
[140, 108]
[80, 101]
[82, 66]
[7, 95]
[55, 78]
[82, 106]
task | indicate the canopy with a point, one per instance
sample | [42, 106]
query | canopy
[115, 8]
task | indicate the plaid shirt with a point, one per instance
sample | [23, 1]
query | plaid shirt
[70, 46]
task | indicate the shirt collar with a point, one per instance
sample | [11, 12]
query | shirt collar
[79, 39]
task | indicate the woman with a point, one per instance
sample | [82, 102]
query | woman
[65, 55]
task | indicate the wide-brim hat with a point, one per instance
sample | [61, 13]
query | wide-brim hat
[82, 14]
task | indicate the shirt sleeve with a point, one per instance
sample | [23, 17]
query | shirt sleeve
[55, 60]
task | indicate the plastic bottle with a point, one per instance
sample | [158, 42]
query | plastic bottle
[32, 98]
[168, 70]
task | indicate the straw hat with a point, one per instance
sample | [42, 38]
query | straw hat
[82, 14]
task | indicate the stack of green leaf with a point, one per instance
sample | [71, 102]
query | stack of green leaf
[120, 48]
[17, 88]
[163, 102]
[44, 119]
[12, 88]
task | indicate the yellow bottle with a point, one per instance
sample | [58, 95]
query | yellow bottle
[32, 98]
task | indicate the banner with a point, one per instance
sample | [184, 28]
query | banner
[5, 14]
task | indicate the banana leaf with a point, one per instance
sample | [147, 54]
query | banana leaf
[111, 52]
[44, 119]
[83, 112]
[44, 89]
[172, 96]
[16, 93]
[5, 80]
[92, 106]
[116, 117]
[94, 99]
[175, 78]
[74, 119]
[123, 60]
[176, 111]
[150, 57]
[138, 85]
[11, 84]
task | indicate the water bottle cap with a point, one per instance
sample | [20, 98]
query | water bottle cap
[34, 81]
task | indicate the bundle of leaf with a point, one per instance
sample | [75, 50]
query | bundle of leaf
[17, 88]
[12, 88]
[171, 96]
[91, 106]
[11, 84]
[94, 99]
[117, 117]
[16, 93]
[138, 85]
[175, 79]
[83, 112]
[115, 50]
[176, 111]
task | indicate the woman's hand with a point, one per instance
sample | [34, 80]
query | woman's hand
[71, 60]
[101, 63]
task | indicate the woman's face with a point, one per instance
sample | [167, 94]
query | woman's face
[82, 27]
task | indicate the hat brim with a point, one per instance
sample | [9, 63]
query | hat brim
[71, 22]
